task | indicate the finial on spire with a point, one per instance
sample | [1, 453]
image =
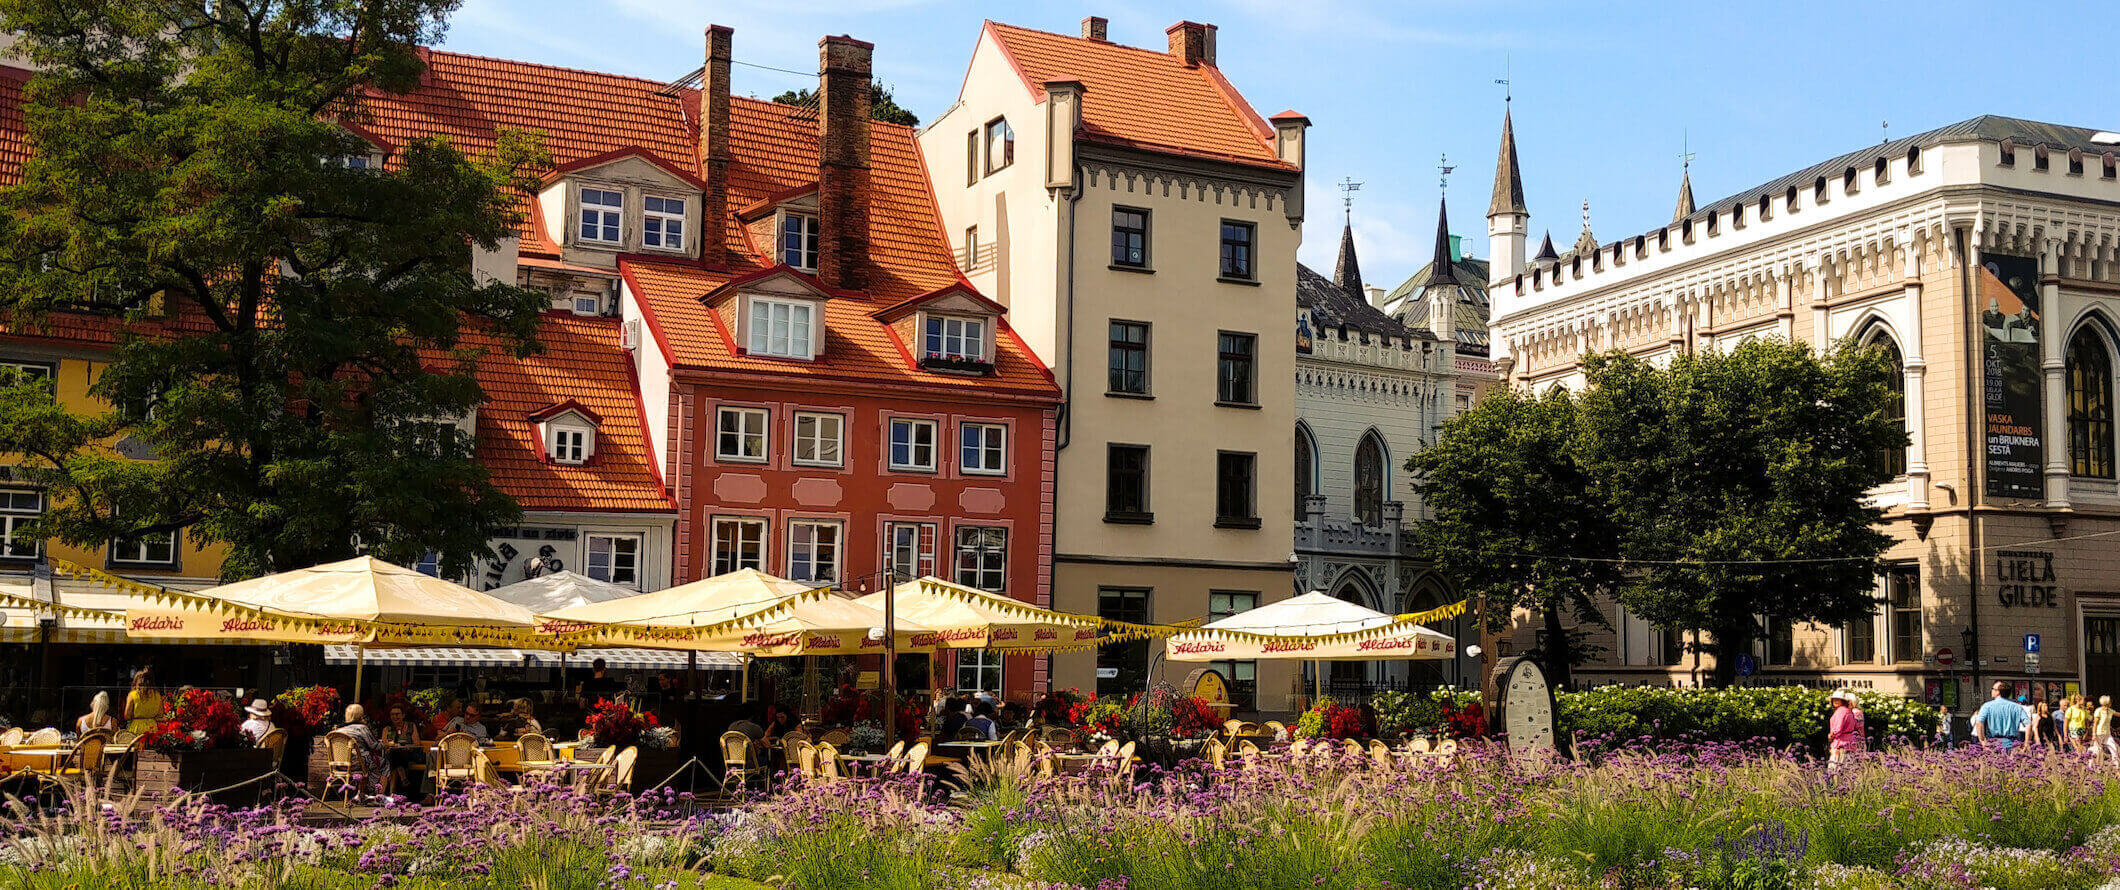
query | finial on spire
[1586, 214]
[1508, 91]
[1447, 168]
[1685, 151]
[1348, 186]
[1887, 127]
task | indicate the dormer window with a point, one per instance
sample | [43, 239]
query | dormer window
[569, 433]
[601, 215]
[782, 328]
[956, 337]
[798, 241]
[663, 223]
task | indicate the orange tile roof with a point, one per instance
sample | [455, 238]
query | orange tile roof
[581, 363]
[1143, 97]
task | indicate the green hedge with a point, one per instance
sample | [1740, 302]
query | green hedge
[1778, 715]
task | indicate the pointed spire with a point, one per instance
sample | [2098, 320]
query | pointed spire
[1545, 248]
[1685, 196]
[1348, 273]
[1508, 183]
[1444, 271]
[1586, 243]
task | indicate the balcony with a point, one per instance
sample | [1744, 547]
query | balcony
[1318, 532]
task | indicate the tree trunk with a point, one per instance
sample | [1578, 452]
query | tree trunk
[1559, 659]
[1730, 642]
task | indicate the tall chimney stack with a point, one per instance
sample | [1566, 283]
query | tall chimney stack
[1192, 42]
[714, 145]
[1093, 28]
[843, 78]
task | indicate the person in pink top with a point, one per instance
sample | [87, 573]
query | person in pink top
[1844, 728]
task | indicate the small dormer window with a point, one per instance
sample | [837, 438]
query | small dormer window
[568, 432]
[663, 223]
[782, 328]
[570, 445]
[956, 337]
[356, 162]
[798, 241]
[602, 213]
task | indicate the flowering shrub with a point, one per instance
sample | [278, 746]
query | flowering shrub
[1191, 718]
[616, 725]
[305, 709]
[1149, 715]
[868, 737]
[1775, 715]
[1312, 724]
[199, 720]
[1104, 716]
[431, 700]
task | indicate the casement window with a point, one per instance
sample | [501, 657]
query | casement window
[954, 336]
[614, 559]
[908, 550]
[1126, 483]
[739, 543]
[23, 372]
[1129, 358]
[740, 434]
[602, 212]
[1122, 668]
[1236, 484]
[1000, 144]
[912, 444]
[971, 157]
[663, 223]
[820, 439]
[813, 551]
[1243, 676]
[152, 549]
[1860, 639]
[1237, 250]
[1902, 596]
[1129, 238]
[982, 557]
[979, 669]
[782, 328]
[1670, 646]
[1781, 640]
[798, 241]
[569, 444]
[2090, 406]
[1236, 372]
[429, 564]
[983, 448]
[18, 508]
[971, 248]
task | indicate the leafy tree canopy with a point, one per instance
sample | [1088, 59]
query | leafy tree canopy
[288, 321]
[882, 106]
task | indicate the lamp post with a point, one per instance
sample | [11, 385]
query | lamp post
[1966, 638]
[890, 655]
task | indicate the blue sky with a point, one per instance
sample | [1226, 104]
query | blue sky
[1606, 94]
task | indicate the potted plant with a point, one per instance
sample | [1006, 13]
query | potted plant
[615, 724]
[961, 364]
[866, 738]
[195, 748]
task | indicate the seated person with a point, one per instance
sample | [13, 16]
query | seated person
[779, 722]
[952, 722]
[521, 719]
[260, 722]
[749, 727]
[469, 724]
[1015, 714]
[982, 720]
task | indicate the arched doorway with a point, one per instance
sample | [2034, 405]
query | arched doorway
[1351, 677]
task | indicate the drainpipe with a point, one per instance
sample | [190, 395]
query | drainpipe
[1976, 476]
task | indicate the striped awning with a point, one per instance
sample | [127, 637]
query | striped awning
[440, 656]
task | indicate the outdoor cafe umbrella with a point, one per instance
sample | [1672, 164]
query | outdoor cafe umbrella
[969, 618]
[363, 601]
[1312, 627]
[745, 611]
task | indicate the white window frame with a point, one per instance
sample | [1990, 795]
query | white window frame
[958, 551]
[609, 216]
[135, 552]
[970, 337]
[13, 517]
[989, 455]
[573, 453]
[35, 370]
[759, 335]
[614, 566]
[815, 544]
[659, 228]
[813, 446]
[746, 432]
[810, 234]
[913, 445]
[758, 528]
[983, 667]
[892, 549]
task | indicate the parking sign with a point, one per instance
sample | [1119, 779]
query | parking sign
[2031, 642]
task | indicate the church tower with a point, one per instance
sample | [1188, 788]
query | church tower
[1508, 224]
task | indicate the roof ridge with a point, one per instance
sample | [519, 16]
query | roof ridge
[1158, 53]
[644, 81]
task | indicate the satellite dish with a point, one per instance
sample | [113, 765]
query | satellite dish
[2105, 137]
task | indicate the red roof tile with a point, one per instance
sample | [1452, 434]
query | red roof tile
[1143, 97]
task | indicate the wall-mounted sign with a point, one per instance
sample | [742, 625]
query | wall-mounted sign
[2008, 289]
[2026, 578]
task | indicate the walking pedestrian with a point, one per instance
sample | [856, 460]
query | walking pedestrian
[2000, 723]
[2076, 721]
[1946, 733]
[2102, 745]
[1843, 728]
[2045, 732]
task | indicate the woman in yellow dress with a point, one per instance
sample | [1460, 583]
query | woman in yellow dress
[143, 705]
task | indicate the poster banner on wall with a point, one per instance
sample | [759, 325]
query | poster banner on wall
[2008, 290]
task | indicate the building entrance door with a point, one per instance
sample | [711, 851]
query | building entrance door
[2101, 656]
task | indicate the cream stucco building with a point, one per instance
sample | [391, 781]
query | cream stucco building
[1983, 254]
[1140, 222]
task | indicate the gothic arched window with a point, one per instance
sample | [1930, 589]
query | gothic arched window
[1306, 462]
[2090, 406]
[1893, 461]
[1369, 480]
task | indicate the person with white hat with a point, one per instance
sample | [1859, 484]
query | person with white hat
[260, 721]
[1844, 728]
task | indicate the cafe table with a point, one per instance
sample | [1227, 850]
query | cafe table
[40, 758]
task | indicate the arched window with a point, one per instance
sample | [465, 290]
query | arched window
[1306, 473]
[1369, 480]
[2090, 406]
[1893, 461]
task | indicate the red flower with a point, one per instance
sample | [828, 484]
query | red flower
[615, 725]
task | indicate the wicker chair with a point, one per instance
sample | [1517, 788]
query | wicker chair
[86, 760]
[1247, 751]
[838, 738]
[1419, 750]
[828, 762]
[1047, 762]
[1123, 766]
[893, 756]
[1380, 752]
[1058, 735]
[1354, 748]
[1233, 726]
[1109, 748]
[276, 742]
[736, 764]
[340, 771]
[124, 737]
[1446, 753]
[620, 776]
[802, 756]
[459, 760]
[916, 758]
[13, 736]
[49, 735]
[1276, 727]
[1217, 754]
[534, 756]
[1299, 747]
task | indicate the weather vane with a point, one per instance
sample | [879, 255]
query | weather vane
[1685, 151]
[1508, 92]
[1586, 214]
[1447, 169]
[1887, 125]
[1347, 189]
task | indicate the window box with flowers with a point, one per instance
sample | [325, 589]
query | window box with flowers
[957, 364]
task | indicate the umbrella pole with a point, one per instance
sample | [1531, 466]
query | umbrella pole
[809, 684]
[360, 661]
[745, 695]
[1317, 677]
[563, 670]
[692, 670]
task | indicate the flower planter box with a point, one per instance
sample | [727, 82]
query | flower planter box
[957, 365]
[653, 765]
[161, 773]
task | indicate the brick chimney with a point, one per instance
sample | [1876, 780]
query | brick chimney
[1093, 28]
[714, 145]
[1193, 42]
[843, 78]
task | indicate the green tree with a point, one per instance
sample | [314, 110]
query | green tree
[882, 106]
[1740, 479]
[289, 322]
[1512, 510]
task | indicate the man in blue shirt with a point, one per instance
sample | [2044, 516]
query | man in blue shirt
[2000, 723]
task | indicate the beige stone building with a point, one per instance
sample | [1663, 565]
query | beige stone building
[1140, 222]
[1983, 254]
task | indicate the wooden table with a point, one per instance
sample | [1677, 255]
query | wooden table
[39, 758]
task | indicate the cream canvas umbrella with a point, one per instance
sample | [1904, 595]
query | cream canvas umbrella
[1311, 627]
[363, 601]
[745, 611]
[969, 618]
